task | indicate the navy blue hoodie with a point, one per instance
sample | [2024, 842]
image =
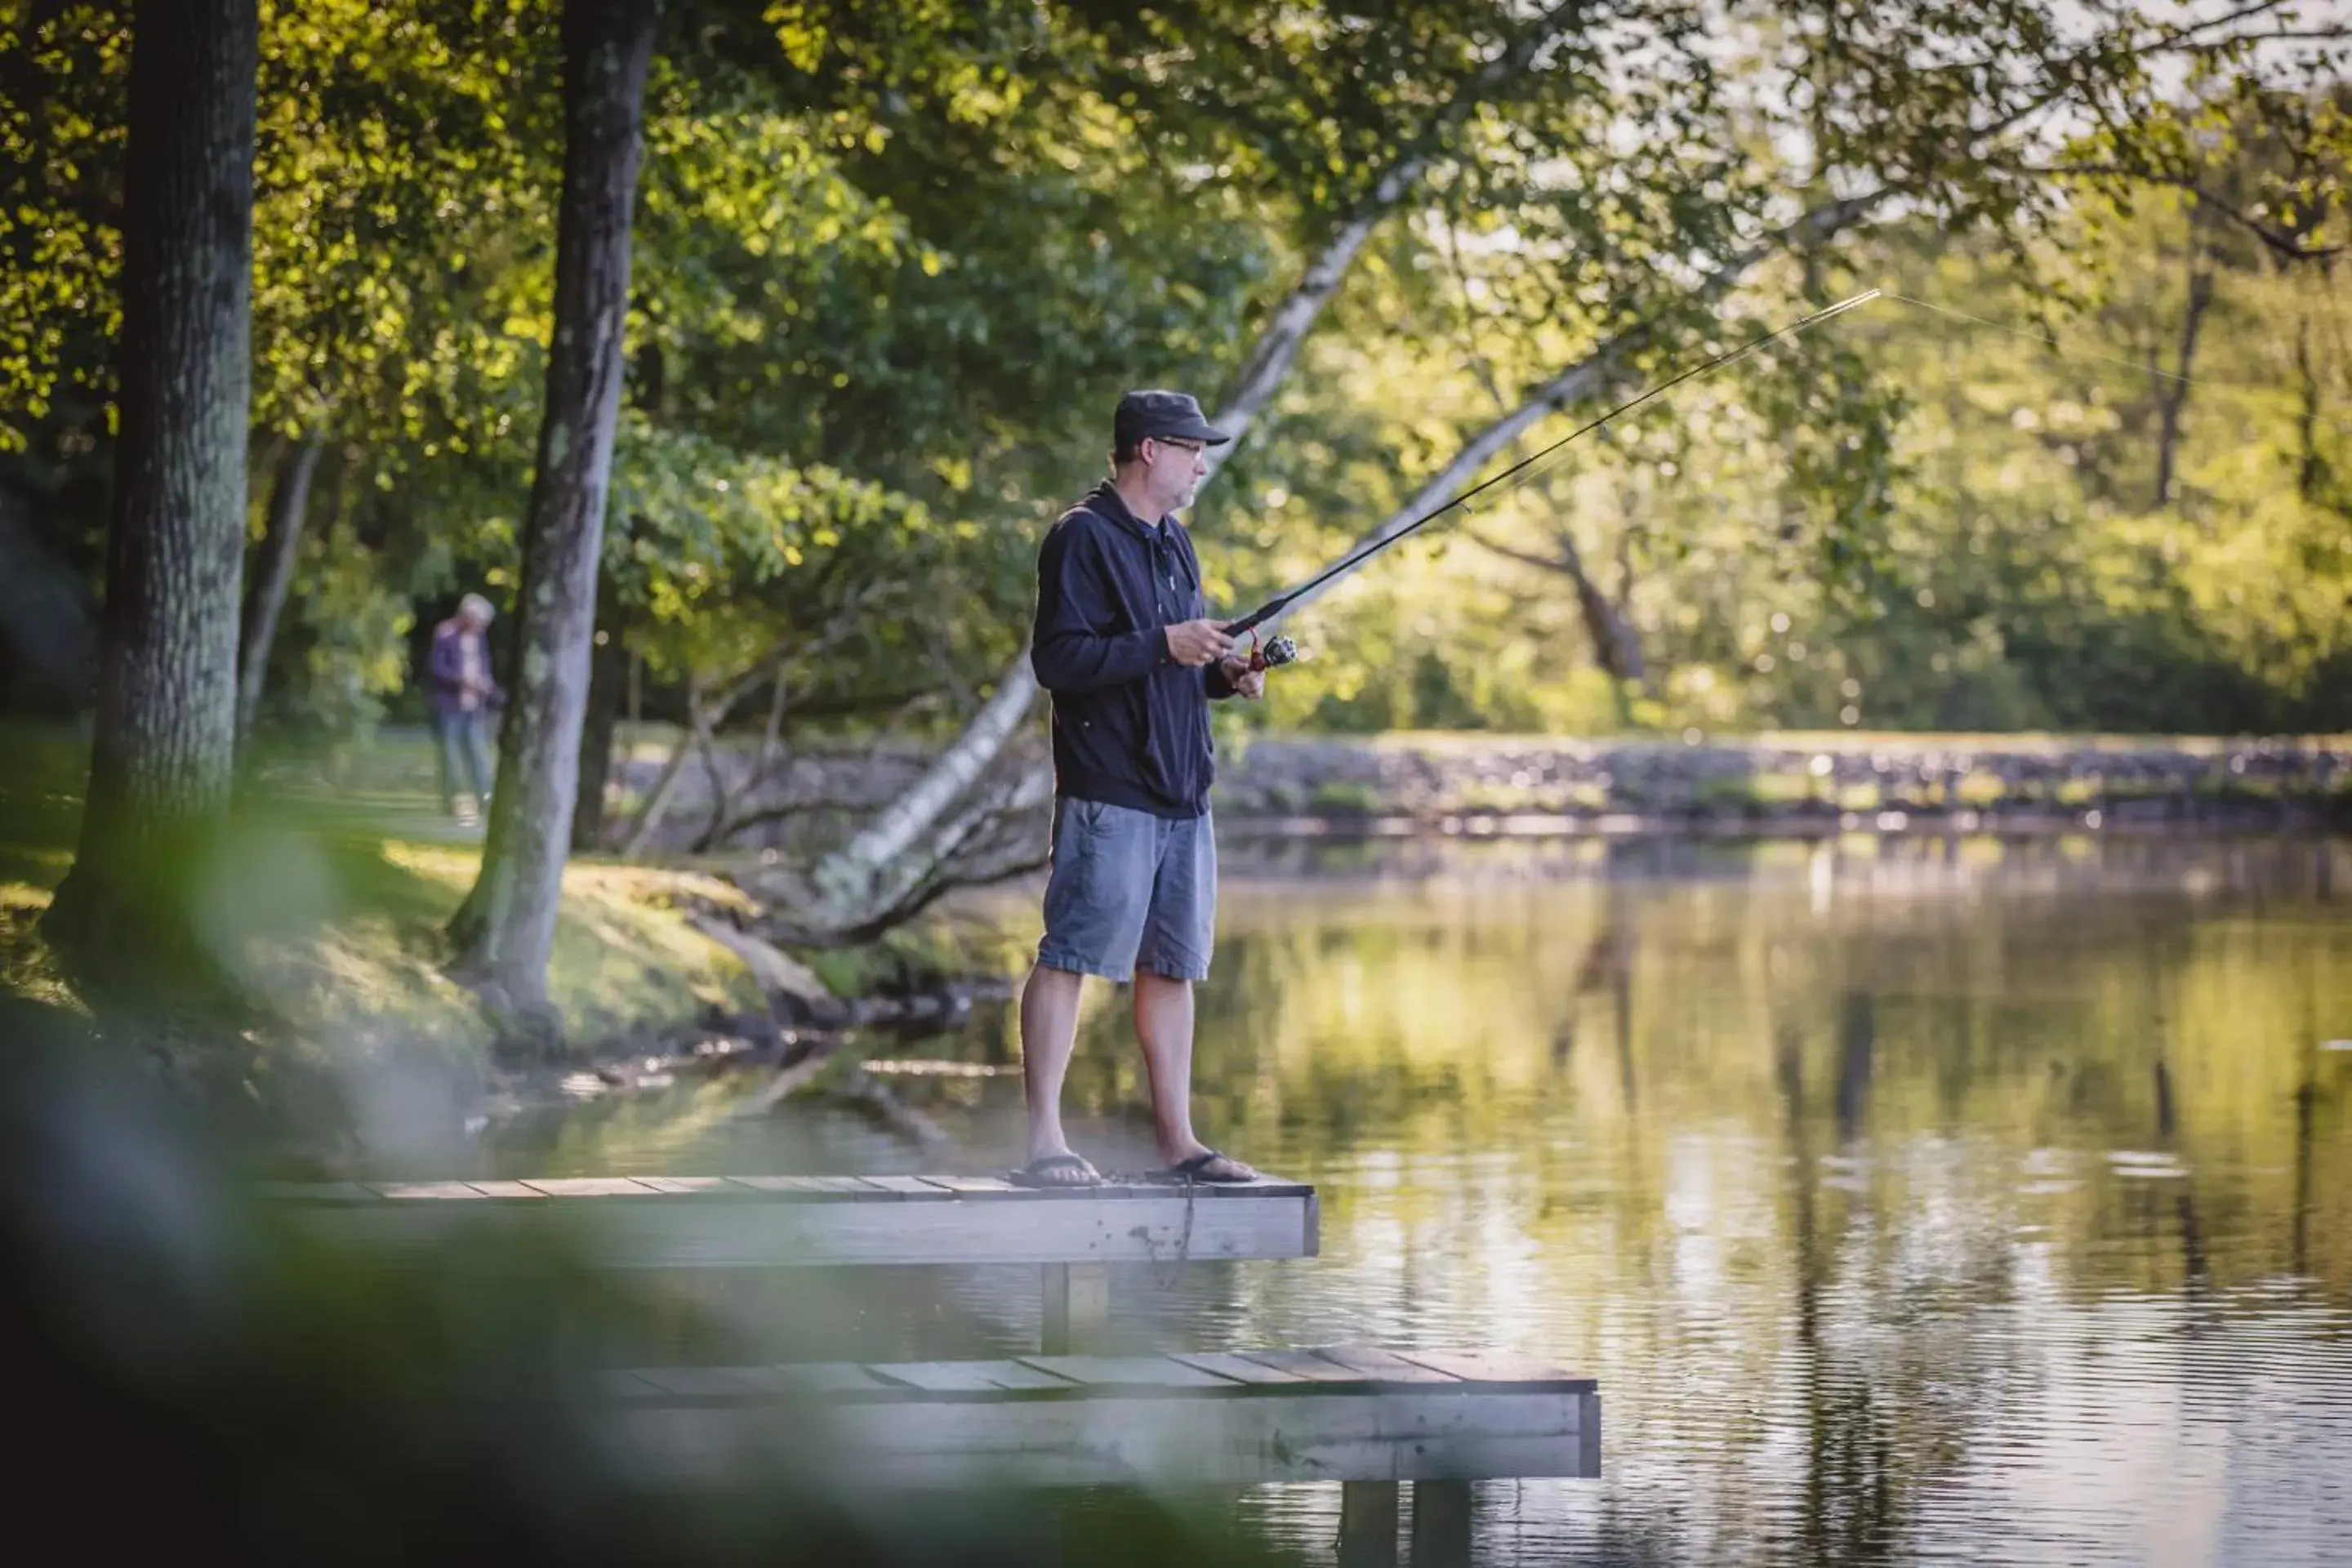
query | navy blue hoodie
[1130, 724]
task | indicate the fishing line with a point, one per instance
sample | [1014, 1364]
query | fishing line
[2137, 367]
[1356, 557]
[2134, 365]
[2254, 402]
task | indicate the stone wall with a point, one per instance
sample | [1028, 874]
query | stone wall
[1536, 784]
[1427, 777]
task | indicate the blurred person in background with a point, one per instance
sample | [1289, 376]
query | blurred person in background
[462, 693]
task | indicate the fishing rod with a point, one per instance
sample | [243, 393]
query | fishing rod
[1282, 651]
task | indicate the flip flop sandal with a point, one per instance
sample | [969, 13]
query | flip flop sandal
[1185, 1171]
[1032, 1174]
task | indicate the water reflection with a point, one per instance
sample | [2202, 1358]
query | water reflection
[1911, 1199]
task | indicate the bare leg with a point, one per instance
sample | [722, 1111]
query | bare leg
[1163, 1024]
[1049, 1032]
[1163, 1027]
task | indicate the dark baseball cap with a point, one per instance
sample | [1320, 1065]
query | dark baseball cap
[1158, 415]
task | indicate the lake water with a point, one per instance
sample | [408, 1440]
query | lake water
[1913, 1200]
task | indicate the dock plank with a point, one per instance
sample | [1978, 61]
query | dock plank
[1494, 1366]
[592, 1186]
[1238, 1368]
[986, 1187]
[1386, 1366]
[727, 1382]
[1308, 1366]
[936, 1376]
[1124, 1420]
[655, 1222]
[1012, 1376]
[807, 1188]
[912, 1187]
[749, 1386]
[420, 1192]
[1098, 1373]
[1267, 1188]
[827, 1378]
[508, 1190]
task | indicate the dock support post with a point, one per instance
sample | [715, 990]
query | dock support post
[1441, 1524]
[1078, 1306]
[1367, 1524]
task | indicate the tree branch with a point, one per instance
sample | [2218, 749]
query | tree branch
[1589, 376]
[1286, 329]
[2286, 246]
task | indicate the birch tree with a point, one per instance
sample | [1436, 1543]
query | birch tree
[506, 930]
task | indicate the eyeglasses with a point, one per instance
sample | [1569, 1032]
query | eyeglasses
[1191, 447]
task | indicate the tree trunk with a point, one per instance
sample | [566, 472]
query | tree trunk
[505, 930]
[727, 802]
[2172, 399]
[2310, 467]
[849, 880]
[905, 883]
[1285, 330]
[656, 806]
[608, 679]
[1271, 357]
[714, 778]
[1616, 645]
[166, 739]
[611, 673]
[771, 734]
[273, 572]
[705, 711]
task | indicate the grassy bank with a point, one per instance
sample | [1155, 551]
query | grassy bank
[326, 914]
[328, 900]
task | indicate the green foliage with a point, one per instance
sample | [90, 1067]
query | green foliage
[894, 261]
[725, 564]
[403, 216]
[351, 638]
[1905, 520]
[62, 120]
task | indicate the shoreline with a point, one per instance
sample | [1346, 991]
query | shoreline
[1462, 783]
[1501, 827]
[1781, 784]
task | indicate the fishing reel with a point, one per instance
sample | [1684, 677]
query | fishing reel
[1279, 651]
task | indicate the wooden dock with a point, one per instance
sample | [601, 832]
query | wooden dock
[1361, 1416]
[722, 1222]
[1368, 1418]
[769, 1222]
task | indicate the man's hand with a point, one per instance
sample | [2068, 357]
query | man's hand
[1195, 643]
[1245, 681]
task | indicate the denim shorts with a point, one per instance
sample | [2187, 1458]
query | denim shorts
[1128, 890]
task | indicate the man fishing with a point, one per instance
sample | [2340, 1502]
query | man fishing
[1123, 643]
